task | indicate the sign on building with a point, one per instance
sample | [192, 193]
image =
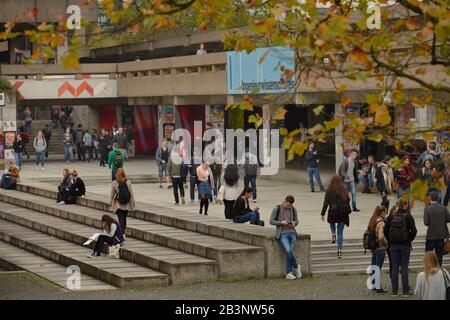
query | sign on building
[2, 99]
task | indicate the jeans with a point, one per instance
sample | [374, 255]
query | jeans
[252, 181]
[40, 158]
[437, 246]
[314, 172]
[67, 152]
[28, 126]
[288, 241]
[90, 152]
[351, 187]
[81, 152]
[447, 194]
[19, 159]
[192, 184]
[100, 241]
[253, 217]
[46, 150]
[400, 254]
[113, 173]
[216, 185]
[378, 257]
[177, 183]
[162, 170]
[340, 233]
[122, 216]
[402, 189]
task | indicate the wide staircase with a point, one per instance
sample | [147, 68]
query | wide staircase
[55, 146]
[324, 257]
[162, 247]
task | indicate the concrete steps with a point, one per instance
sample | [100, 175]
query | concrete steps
[274, 259]
[182, 268]
[55, 146]
[116, 272]
[13, 258]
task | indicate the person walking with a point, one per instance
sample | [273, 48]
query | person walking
[376, 225]
[348, 170]
[25, 138]
[191, 169]
[175, 170]
[95, 143]
[122, 198]
[206, 184]
[67, 141]
[251, 172]
[312, 167]
[80, 145]
[285, 218]
[405, 176]
[115, 160]
[216, 170]
[230, 189]
[88, 143]
[27, 119]
[47, 135]
[338, 203]
[400, 231]
[112, 235]
[162, 158]
[433, 281]
[56, 111]
[103, 143]
[436, 217]
[121, 140]
[40, 146]
[19, 148]
[430, 153]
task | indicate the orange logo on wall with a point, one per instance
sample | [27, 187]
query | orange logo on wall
[84, 86]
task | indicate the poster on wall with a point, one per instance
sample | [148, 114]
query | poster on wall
[168, 121]
[9, 139]
[9, 154]
[217, 117]
[9, 126]
[350, 143]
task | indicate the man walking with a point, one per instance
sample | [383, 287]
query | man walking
[349, 173]
[436, 217]
[80, 145]
[285, 218]
[251, 172]
[121, 140]
[47, 136]
[162, 158]
[312, 167]
[115, 160]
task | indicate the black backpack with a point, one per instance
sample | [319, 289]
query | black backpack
[123, 194]
[251, 170]
[398, 230]
[370, 241]
[118, 159]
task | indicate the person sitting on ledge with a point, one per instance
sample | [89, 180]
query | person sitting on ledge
[64, 187]
[242, 211]
[77, 189]
[10, 177]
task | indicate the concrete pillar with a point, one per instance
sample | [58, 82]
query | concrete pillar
[339, 139]
[8, 113]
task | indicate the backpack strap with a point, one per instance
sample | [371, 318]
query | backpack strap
[278, 212]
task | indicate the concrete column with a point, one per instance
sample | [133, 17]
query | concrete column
[8, 113]
[339, 139]
[160, 124]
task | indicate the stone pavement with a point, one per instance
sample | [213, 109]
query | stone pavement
[270, 193]
[20, 286]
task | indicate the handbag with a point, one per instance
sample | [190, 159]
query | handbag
[114, 251]
[446, 247]
[447, 283]
[221, 193]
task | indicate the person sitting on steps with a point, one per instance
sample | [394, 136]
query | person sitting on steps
[77, 189]
[112, 235]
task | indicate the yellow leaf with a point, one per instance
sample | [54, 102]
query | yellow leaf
[428, 136]
[314, 129]
[358, 56]
[377, 137]
[71, 60]
[36, 54]
[318, 110]
[419, 189]
[287, 143]
[283, 131]
[300, 147]
[341, 88]
[280, 113]
[346, 101]
[291, 154]
[278, 10]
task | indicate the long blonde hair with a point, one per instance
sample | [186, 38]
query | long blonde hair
[376, 214]
[430, 264]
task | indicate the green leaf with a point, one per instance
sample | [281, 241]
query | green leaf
[318, 110]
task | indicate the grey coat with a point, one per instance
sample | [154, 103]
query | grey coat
[293, 216]
[436, 217]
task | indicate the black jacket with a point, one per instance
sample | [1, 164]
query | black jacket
[239, 207]
[78, 189]
[410, 226]
[19, 146]
[311, 159]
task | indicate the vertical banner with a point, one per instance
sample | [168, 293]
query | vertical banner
[168, 121]
[217, 117]
[350, 143]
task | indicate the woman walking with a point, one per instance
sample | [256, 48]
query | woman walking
[39, 146]
[27, 119]
[103, 144]
[432, 282]
[122, 198]
[68, 145]
[112, 235]
[338, 202]
[376, 224]
[205, 187]
[230, 192]
[405, 176]
[19, 148]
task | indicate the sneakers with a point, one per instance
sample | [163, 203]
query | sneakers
[290, 276]
[61, 203]
[92, 255]
[339, 254]
[183, 201]
[394, 294]
[216, 201]
[254, 200]
[333, 238]
[298, 272]
[356, 210]
[169, 186]
[408, 294]
[177, 204]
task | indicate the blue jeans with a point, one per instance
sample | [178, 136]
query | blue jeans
[216, 185]
[340, 233]
[40, 158]
[378, 257]
[288, 241]
[314, 172]
[67, 152]
[400, 258]
[252, 181]
[253, 217]
[192, 184]
[351, 187]
[162, 170]
[19, 159]
[447, 194]
[113, 173]
[437, 246]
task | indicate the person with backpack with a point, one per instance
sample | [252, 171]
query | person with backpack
[312, 167]
[348, 171]
[242, 212]
[115, 160]
[285, 217]
[433, 283]
[95, 147]
[121, 140]
[112, 235]
[27, 119]
[374, 239]
[400, 231]
[176, 173]
[77, 189]
[230, 189]
[122, 198]
[436, 217]
[47, 135]
[338, 203]
[190, 168]
[251, 172]
[88, 143]
[40, 146]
